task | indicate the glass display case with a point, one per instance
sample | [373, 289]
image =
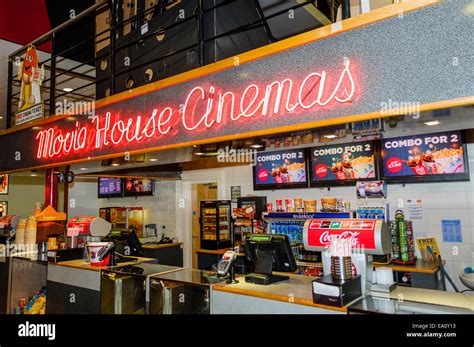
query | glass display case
[216, 223]
[135, 220]
[124, 218]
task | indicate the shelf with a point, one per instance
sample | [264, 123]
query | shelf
[305, 263]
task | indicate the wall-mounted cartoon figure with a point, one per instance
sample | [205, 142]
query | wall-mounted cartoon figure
[31, 77]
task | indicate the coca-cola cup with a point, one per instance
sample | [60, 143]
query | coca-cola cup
[279, 205]
[340, 175]
[269, 207]
[289, 205]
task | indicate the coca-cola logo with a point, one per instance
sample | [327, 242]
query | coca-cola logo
[262, 175]
[326, 237]
[321, 170]
[394, 165]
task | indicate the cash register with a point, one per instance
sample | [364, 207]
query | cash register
[269, 253]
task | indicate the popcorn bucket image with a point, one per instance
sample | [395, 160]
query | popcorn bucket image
[349, 173]
[442, 164]
[363, 170]
[453, 164]
[431, 167]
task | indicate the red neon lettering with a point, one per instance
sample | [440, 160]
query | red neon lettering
[199, 112]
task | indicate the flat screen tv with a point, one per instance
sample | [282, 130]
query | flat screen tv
[110, 187]
[280, 170]
[343, 164]
[139, 187]
[428, 157]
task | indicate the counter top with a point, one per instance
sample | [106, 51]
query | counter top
[163, 245]
[434, 297]
[82, 264]
[191, 276]
[421, 266]
[296, 290]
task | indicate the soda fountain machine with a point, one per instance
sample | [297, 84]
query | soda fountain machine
[80, 230]
[368, 237]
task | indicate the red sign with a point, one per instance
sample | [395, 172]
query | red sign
[262, 175]
[202, 109]
[394, 165]
[321, 170]
[360, 232]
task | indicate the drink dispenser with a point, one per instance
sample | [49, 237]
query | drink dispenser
[368, 237]
[79, 228]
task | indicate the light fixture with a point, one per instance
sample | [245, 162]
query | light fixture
[68, 90]
[153, 159]
[199, 153]
[115, 164]
[83, 169]
[330, 136]
[432, 122]
[256, 146]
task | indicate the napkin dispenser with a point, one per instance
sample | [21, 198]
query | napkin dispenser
[334, 292]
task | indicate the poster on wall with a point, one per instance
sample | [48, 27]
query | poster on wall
[4, 184]
[3, 208]
[280, 170]
[343, 163]
[139, 187]
[428, 157]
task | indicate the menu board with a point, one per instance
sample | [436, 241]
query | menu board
[110, 187]
[280, 170]
[139, 187]
[343, 163]
[433, 157]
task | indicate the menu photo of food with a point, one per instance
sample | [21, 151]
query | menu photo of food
[4, 184]
[424, 155]
[280, 168]
[343, 162]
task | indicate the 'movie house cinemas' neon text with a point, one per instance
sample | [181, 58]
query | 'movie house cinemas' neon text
[203, 108]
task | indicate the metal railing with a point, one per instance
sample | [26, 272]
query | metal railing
[86, 75]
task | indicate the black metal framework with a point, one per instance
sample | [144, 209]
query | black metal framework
[61, 71]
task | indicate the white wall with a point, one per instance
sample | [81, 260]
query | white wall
[160, 209]
[449, 200]
[23, 192]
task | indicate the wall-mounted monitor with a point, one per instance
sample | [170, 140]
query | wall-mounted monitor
[110, 187]
[343, 164]
[280, 170]
[421, 158]
[139, 187]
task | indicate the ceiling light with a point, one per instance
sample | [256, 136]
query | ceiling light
[153, 159]
[83, 169]
[115, 164]
[199, 153]
[67, 90]
[256, 146]
[330, 136]
[432, 122]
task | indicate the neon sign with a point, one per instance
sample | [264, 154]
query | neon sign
[203, 108]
